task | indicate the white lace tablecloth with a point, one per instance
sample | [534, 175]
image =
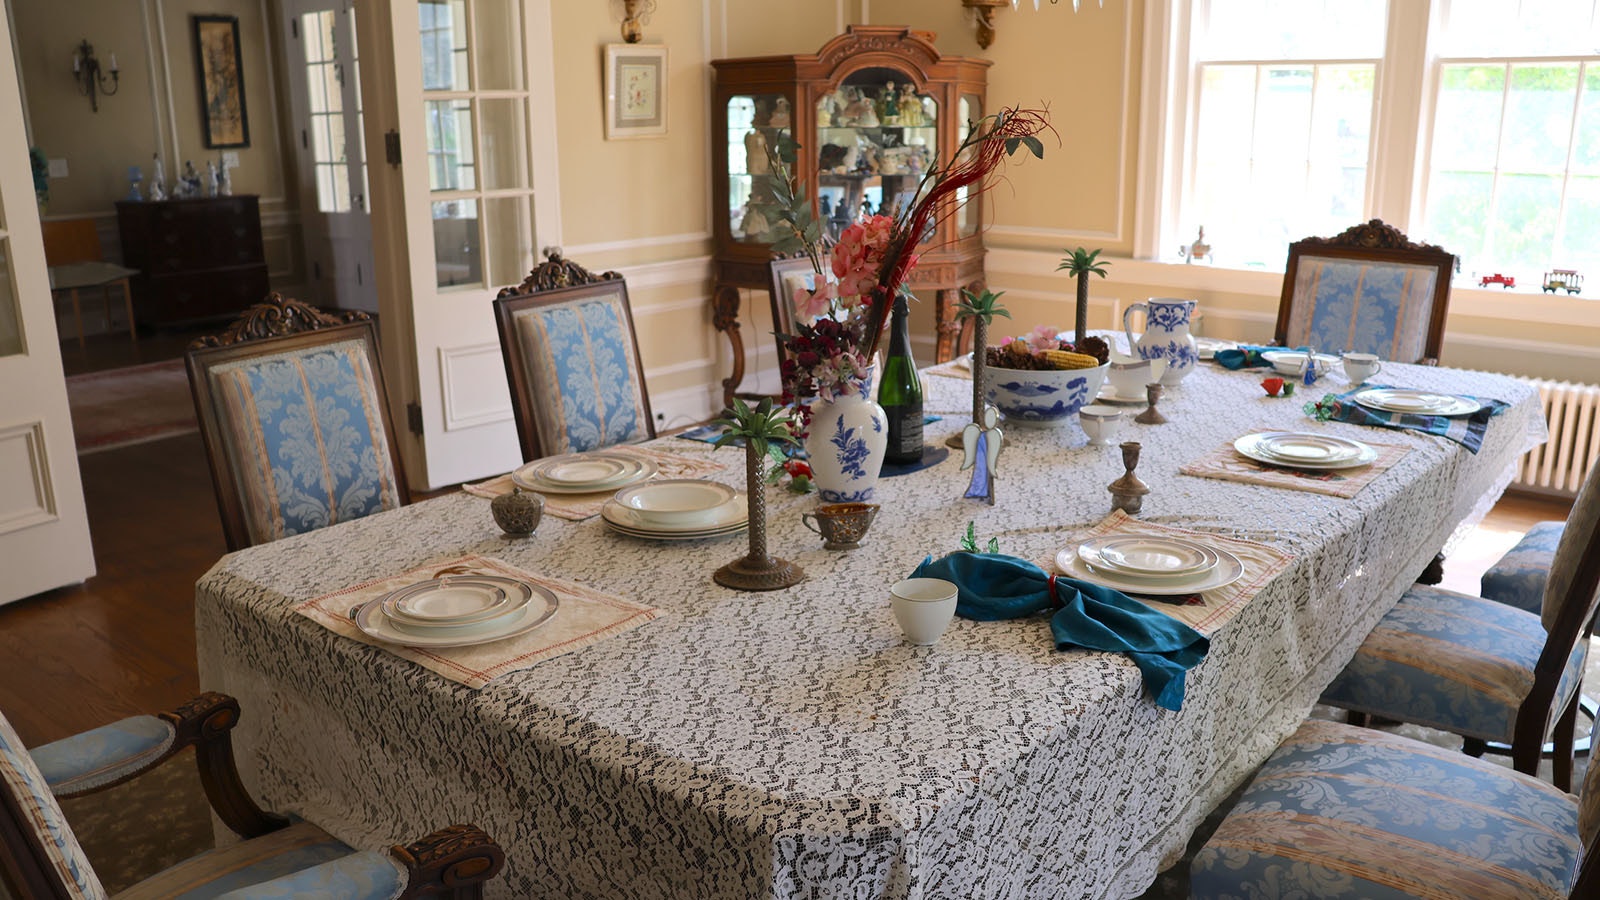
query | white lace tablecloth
[791, 744]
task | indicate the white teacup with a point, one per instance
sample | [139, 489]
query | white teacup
[1100, 423]
[1128, 377]
[1358, 367]
[923, 607]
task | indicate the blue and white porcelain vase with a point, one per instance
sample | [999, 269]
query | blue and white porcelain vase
[1166, 336]
[846, 443]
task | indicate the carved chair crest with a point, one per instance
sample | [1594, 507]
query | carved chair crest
[556, 272]
[275, 317]
[1376, 235]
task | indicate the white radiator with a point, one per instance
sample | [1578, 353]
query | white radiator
[1573, 413]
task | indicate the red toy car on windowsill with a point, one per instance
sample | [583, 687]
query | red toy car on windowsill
[1505, 281]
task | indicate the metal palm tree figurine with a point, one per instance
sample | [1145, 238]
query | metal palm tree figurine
[763, 430]
[1083, 263]
[981, 309]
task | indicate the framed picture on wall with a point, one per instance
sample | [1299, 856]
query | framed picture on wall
[636, 90]
[222, 112]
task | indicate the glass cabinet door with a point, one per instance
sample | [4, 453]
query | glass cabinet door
[755, 121]
[876, 138]
[969, 215]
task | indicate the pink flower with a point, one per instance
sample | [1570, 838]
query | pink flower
[814, 304]
[858, 255]
[1043, 337]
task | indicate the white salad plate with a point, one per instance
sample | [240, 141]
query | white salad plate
[1421, 403]
[565, 473]
[542, 605]
[677, 535]
[456, 600]
[1143, 556]
[725, 519]
[1207, 347]
[1302, 451]
[1293, 362]
[1228, 569]
[679, 501]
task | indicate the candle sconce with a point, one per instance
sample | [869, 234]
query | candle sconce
[86, 72]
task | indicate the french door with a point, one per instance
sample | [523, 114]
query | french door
[330, 152]
[463, 193]
[44, 529]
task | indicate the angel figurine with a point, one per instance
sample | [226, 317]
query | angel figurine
[980, 452]
[158, 180]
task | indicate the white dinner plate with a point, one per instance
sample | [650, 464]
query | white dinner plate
[677, 501]
[732, 515]
[1228, 569]
[678, 535]
[1142, 556]
[1250, 446]
[372, 621]
[1299, 447]
[456, 600]
[1293, 362]
[1422, 403]
[635, 470]
[583, 469]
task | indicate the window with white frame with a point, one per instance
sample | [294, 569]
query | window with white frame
[1473, 124]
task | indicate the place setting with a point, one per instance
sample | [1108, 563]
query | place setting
[474, 618]
[1303, 461]
[1151, 565]
[1456, 417]
[677, 510]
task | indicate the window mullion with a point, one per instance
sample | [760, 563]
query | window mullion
[1494, 184]
[1572, 154]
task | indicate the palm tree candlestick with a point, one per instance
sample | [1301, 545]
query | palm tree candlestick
[763, 429]
[981, 309]
[1083, 263]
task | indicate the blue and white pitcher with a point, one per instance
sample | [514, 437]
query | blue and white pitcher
[1166, 335]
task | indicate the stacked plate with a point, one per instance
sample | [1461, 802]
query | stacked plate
[1300, 450]
[1293, 362]
[583, 473]
[677, 510]
[456, 611]
[1207, 348]
[1419, 403]
[1142, 564]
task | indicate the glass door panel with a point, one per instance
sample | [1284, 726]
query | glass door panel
[755, 122]
[504, 158]
[498, 56]
[876, 137]
[969, 214]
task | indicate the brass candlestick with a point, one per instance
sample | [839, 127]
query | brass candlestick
[1151, 415]
[757, 570]
[1127, 492]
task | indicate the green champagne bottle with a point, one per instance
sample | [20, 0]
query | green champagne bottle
[900, 391]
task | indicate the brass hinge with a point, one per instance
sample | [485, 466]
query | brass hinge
[414, 417]
[391, 147]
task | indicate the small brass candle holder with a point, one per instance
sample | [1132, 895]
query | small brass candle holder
[1127, 492]
[1151, 415]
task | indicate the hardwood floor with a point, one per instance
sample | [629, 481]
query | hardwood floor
[123, 642]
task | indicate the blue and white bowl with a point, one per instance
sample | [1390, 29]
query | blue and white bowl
[1042, 398]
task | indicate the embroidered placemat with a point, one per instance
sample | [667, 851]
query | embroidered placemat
[583, 617]
[1465, 430]
[1227, 464]
[955, 368]
[577, 507]
[1205, 612]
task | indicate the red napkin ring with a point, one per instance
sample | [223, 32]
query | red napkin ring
[1055, 600]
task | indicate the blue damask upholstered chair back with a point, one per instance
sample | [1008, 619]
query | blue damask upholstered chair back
[296, 423]
[572, 360]
[35, 833]
[1369, 290]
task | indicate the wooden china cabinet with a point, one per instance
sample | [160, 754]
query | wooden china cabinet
[871, 110]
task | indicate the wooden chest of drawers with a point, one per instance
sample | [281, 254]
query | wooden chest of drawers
[197, 259]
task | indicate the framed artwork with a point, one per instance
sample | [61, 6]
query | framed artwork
[222, 112]
[636, 90]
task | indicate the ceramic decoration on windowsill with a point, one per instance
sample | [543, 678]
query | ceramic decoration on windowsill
[840, 322]
[762, 429]
[1198, 250]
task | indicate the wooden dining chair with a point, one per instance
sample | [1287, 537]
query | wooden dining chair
[1485, 670]
[295, 421]
[1339, 811]
[1367, 290]
[72, 251]
[41, 859]
[572, 360]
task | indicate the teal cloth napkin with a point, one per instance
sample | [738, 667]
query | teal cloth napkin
[1247, 356]
[1468, 430]
[994, 587]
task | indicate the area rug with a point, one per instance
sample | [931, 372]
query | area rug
[119, 407]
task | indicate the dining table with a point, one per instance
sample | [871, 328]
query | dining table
[792, 743]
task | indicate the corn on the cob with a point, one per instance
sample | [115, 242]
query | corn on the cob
[1066, 359]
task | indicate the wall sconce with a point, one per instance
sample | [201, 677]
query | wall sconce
[86, 72]
[984, 10]
[633, 14]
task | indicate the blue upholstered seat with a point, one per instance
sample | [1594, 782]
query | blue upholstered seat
[1362, 306]
[1518, 578]
[1339, 811]
[583, 375]
[1450, 661]
[305, 434]
[41, 816]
